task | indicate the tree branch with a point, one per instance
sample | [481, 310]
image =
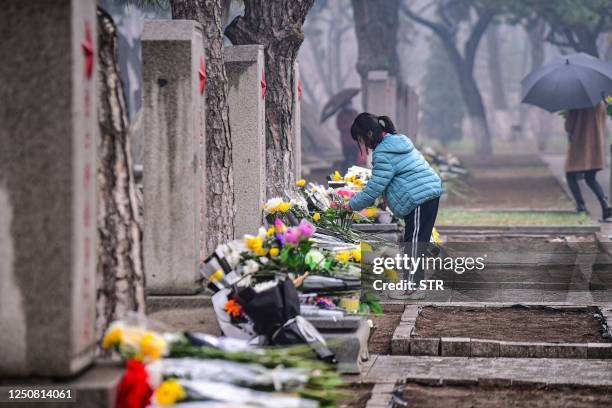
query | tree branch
[471, 45]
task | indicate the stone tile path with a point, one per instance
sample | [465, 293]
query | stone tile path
[386, 370]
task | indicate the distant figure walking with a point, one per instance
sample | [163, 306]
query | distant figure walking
[350, 150]
[586, 154]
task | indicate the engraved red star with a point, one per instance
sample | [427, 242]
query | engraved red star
[88, 51]
[263, 84]
[202, 74]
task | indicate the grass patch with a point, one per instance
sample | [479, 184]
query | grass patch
[453, 217]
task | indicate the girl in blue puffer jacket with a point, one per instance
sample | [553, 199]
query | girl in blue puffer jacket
[400, 174]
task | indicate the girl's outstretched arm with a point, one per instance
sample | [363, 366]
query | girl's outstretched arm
[382, 173]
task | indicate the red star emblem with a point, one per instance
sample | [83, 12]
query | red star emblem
[88, 51]
[263, 84]
[299, 89]
[202, 74]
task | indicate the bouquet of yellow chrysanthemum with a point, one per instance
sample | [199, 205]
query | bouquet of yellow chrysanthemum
[135, 341]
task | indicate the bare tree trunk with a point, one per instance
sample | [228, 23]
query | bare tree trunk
[219, 166]
[464, 66]
[119, 276]
[476, 113]
[495, 69]
[277, 25]
[376, 24]
[535, 33]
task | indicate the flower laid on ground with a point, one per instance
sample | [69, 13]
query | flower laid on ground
[337, 176]
[356, 255]
[300, 183]
[277, 205]
[435, 236]
[134, 390]
[343, 256]
[370, 212]
[169, 393]
[306, 229]
[346, 194]
[314, 258]
[316, 216]
[274, 251]
[233, 308]
[134, 342]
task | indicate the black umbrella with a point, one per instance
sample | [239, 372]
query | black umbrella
[337, 101]
[568, 82]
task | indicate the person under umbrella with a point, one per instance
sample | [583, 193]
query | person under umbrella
[586, 154]
[576, 84]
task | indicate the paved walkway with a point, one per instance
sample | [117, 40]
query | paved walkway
[556, 164]
[386, 370]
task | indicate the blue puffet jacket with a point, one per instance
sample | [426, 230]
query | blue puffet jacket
[401, 175]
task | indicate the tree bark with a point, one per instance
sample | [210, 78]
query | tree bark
[119, 275]
[220, 207]
[277, 25]
[495, 69]
[376, 26]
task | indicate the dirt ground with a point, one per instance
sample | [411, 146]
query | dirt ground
[425, 396]
[385, 325]
[509, 182]
[511, 324]
[358, 395]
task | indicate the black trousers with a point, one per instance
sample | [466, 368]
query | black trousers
[589, 177]
[417, 235]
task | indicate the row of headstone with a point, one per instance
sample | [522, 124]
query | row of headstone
[49, 138]
[384, 95]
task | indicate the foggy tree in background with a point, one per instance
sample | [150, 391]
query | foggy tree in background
[119, 271]
[442, 106]
[450, 14]
[376, 26]
[496, 76]
[277, 25]
[573, 24]
[326, 26]
[219, 166]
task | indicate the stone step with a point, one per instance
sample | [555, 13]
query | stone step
[388, 369]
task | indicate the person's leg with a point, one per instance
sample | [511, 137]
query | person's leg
[572, 182]
[427, 218]
[591, 180]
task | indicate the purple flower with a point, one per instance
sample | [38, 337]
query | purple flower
[292, 236]
[306, 229]
[280, 239]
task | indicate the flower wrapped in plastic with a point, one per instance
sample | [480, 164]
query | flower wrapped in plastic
[133, 340]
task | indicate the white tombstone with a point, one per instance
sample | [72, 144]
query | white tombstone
[245, 69]
[173, 68]
[380, 94]
[48, 141]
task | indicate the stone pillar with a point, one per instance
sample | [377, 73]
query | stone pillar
[173, 68]
[380, 94]
[48, 144]
[297, 122]
[245, 69]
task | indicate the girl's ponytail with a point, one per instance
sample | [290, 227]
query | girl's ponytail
[386, 124]
[370, 129]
